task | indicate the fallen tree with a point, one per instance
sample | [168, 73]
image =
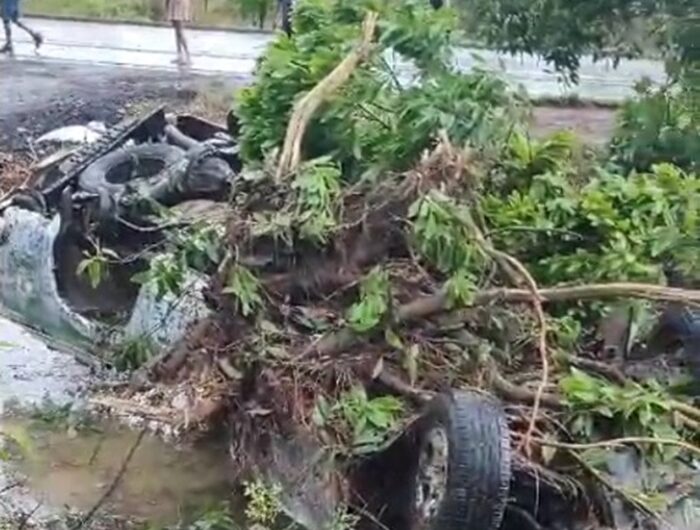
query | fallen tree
[402, 237]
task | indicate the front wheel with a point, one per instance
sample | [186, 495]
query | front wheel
[462, 465]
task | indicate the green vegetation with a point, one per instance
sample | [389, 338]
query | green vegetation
[95, 265]
[364, 425]
[263, 502]
[195, 248]
[440, 190]
[658, 125]
[124, 9]
[474, 205]
[132, 353]
[562, 31]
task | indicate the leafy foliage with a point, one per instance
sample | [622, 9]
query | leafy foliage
[614, 228]
[529, 157]
[96, 264]
[245, 288]
[263, 502]
[344, 520]
[568, 216]
[563, 31]
[366, 424]
[318, 188]
[199, 245]
[441, 235]
[166, 275]
[375, 298]
[197, 248]
[132, 353]
[633, 410]
[657, 126]
[359, 125]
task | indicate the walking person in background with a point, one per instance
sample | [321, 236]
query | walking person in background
[178, 13]
[10, 15]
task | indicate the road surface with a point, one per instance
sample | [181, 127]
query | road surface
[234, 53]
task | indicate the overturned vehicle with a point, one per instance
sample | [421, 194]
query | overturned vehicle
[101, 210]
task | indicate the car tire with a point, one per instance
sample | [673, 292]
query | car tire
[106, 173]
[462, 468]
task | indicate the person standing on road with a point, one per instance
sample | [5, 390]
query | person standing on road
[179, 12]
[10, 15]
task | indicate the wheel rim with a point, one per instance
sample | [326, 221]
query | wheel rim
[432, 474]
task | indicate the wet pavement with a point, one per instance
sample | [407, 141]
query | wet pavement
[234, 53]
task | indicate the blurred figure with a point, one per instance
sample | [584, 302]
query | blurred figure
[179, 12]
[10, 15]
[284, 13]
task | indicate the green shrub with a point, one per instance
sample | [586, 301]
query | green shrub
[376, 121]
[657, 126]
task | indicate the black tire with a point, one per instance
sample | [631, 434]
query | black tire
[478, 464]
[107, 174]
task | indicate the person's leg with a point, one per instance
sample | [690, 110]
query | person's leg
[178, 43]
[8, 10]
[183, 51]
[183, 43]
[7, 47]
[36, 36]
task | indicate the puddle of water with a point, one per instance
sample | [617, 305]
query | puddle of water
[162, 484]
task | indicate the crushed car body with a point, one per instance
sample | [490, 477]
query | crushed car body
[107, 186]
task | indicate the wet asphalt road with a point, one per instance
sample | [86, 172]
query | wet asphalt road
[234, 53]
[93, 71]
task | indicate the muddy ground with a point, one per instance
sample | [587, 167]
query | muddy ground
[37, 96]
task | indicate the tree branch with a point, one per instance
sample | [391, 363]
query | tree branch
[421, 308]
[305, 108]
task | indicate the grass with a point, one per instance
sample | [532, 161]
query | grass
[220, 13]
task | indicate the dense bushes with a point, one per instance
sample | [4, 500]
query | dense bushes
[379, 120]
[658, 125]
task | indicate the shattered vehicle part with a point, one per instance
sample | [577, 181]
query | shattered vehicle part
[199, 175]
[678, 325]
[679, 482]
[166, 320]
[309, 494]
[32, 373]
[139, 130]
[46, 231]
[27, 282]
[463, 459]
[75, 134]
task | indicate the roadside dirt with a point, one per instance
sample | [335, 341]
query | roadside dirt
[15, 171]
[592, 124]
[37, 96]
